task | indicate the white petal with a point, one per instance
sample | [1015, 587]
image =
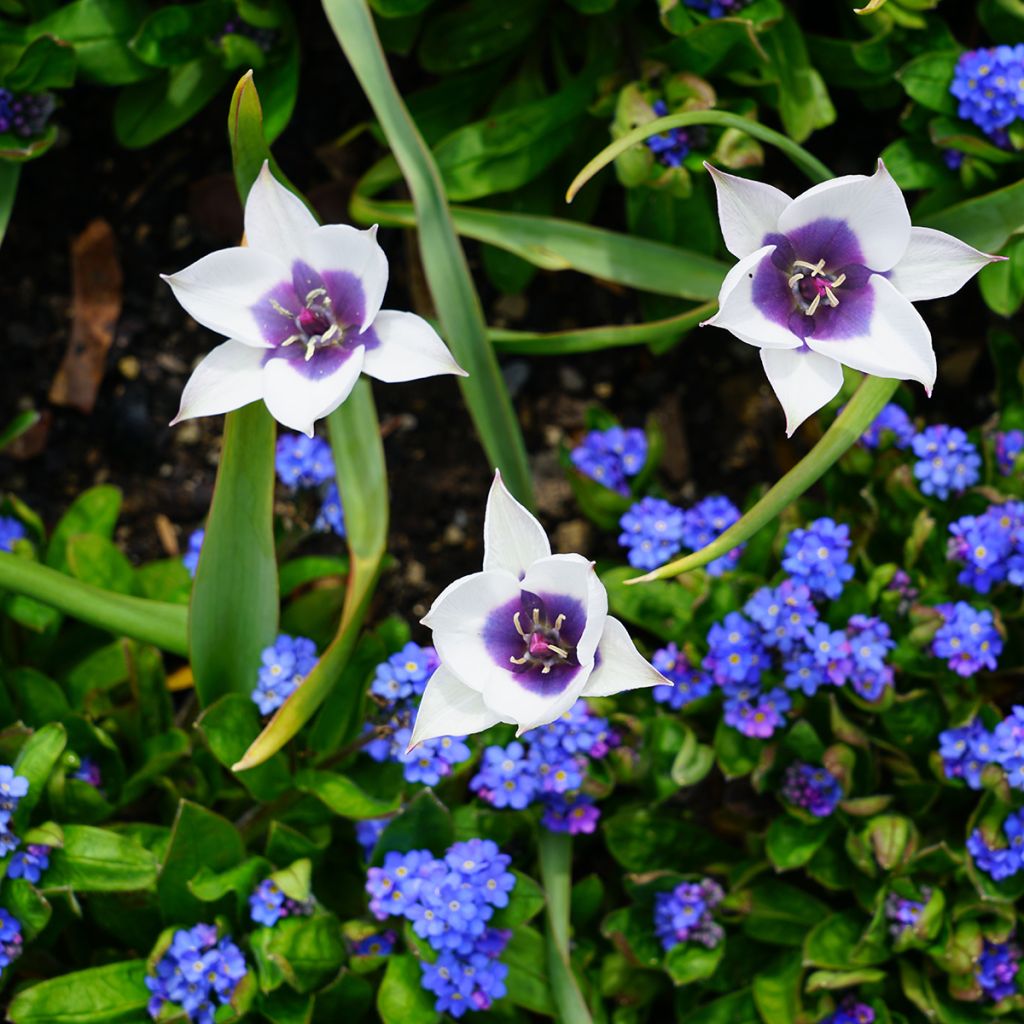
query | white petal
[747, 210]
[458, 618]
[573, 576]
[449, 708]
[620, 666]
[298, 400]
[803, 382]
[873, 207]
[737, 312]
[220, 290]
[936, 264]
[895, 342]
[347, 250]
[513, 539]
[228, 378]
[275, 218]
[530, 710]
[409, 349]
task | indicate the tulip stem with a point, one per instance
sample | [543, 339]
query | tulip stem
[859, 414]
[555, 850]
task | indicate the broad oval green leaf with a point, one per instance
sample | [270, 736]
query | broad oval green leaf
[111, 994]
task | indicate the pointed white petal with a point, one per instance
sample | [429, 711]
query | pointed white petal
[803, 382]
[737, 312]
[409, 348]
[449, 708]
[276, 219]
[573, 576]
[872, 207]
[298, 393]
[529, 710]
[347, 253]
[459, 618]
[936, 264]
[894, 342]
[513, 539]
[620, 666]
[747, 210]
[220, 290]
[228, 378]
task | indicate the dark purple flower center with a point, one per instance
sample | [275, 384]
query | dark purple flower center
[813, 283]
[543, 644]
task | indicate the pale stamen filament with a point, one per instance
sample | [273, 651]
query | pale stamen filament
[812, 308]
[519, 628]
[558, 622]
[518, 661]
[794, 279]
[558, 651]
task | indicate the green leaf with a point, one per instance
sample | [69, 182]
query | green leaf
[93, 512]
[1002, 286]
[35, 762]
[780, 914]
[177, 34]
[986, 221]
[234, 602]
[444, 262]
[401, 999]
[423, 824]
[300, 571]
[693, 761]
[776, 990]
[40, 700]
[687, 963]
[9, 175]
[97, 860]
[736, 1008]
[285, 1006]
[666, 609]
[46, 63]
[30, 417]
[791, 843]
[199, 838]
[343, 796]
[240, 880]
[737, 754]
[111, 994]
[642, 839]
[166, 579]
[474, 33]
[98, 562]
[347, 998]
[837, 943]
[832, 981]
[526, 901]
[229, 725]
[149, 110]
[927, 79]
[528, 980]
[307, 950]
[804, 104]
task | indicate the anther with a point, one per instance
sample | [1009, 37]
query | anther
[839, 280]
[558, 622]
[536, 616]
[310, 349]
[518, 661]
[794, 279]
[813, 307]
[831, 296]
[519, 628]
[278, 308]
[316, 293]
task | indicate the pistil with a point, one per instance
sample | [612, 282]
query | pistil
[817, 278]
[543, 642]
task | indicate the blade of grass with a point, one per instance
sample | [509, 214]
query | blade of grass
[10, 172]
[153, 622]
[444, 262]
[805, 161]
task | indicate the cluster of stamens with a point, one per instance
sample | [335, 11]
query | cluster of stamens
[539, 647]
[315, 322]
[822, 283]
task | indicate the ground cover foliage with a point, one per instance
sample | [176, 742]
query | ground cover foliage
[207, 806]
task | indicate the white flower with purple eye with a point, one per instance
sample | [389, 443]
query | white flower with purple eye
[523, 640]
[300, 305]
[827, 279]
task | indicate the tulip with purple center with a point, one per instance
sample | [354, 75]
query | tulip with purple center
[996, 969]
[523, 640]
[811, 788]
[826, 280]
[300, 305]
[29, 863]
[11, 531]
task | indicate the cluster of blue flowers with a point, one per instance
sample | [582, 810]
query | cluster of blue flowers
[996, 969]
[11, 531]
[191, 557]
[12, 788]
[684, 914]
[967, 639]
[286, 663]
[779, 628]
[549, 767]
[25, 114]
[611, 456]
[29, 863]
[818, 557]
[689, 683]
[1008, 445]
[999, 862]
[968, 749]
[197, 973]
[397, 686]
[449, 903]
[903, 913]
[811, 788]
[991, 546]
[892, 425]
[268, 904]
[850, 1011]
[671, 148]
[987, 84]
[947, 461]
[305, 463]
[653, 530]
[10, 940]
